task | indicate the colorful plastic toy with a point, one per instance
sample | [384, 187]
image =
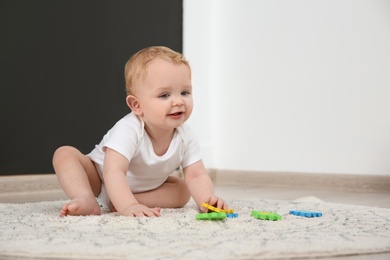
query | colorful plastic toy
[212, 208]
[305, 213]
[266, 215]
[232, 215]
[211, 216]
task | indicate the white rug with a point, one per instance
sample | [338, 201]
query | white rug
[35, 230]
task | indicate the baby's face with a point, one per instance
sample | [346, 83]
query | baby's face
[165, 95]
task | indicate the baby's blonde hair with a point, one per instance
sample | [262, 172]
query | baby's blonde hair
[137, 66]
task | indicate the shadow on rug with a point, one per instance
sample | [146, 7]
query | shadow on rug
[35, 230]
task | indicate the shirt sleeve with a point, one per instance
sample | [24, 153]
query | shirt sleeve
[124, 136]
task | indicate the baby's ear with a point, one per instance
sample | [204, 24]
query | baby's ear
[133, 104]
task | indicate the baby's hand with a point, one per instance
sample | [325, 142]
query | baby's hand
[215, 202]
[139, 210]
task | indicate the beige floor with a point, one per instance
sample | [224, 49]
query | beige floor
[233, 192]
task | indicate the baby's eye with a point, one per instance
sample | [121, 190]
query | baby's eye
[164, 95]
[185, 93]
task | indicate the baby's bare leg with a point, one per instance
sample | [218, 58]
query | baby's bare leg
[173, 193]
[79, 180]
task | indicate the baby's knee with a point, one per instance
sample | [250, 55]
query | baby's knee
[63, 153]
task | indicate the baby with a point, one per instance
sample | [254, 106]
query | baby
[130, 169]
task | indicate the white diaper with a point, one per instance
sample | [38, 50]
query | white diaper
[104, 200]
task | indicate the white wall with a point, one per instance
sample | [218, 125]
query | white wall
[300, 86]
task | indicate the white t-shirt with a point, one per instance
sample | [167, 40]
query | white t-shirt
[146, 170]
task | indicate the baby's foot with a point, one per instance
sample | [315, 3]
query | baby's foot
[81, 206]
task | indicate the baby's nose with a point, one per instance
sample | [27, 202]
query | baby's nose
[178, 100]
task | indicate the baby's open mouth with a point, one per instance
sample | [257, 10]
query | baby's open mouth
[176, 114]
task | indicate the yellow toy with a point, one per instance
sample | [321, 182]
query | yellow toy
[212, 208]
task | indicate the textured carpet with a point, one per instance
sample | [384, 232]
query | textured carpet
[35, 230]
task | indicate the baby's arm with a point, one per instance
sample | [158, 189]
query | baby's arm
[114, 174]
[201, 186]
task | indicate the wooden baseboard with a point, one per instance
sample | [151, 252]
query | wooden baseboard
[339, 182]
[29, 183]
